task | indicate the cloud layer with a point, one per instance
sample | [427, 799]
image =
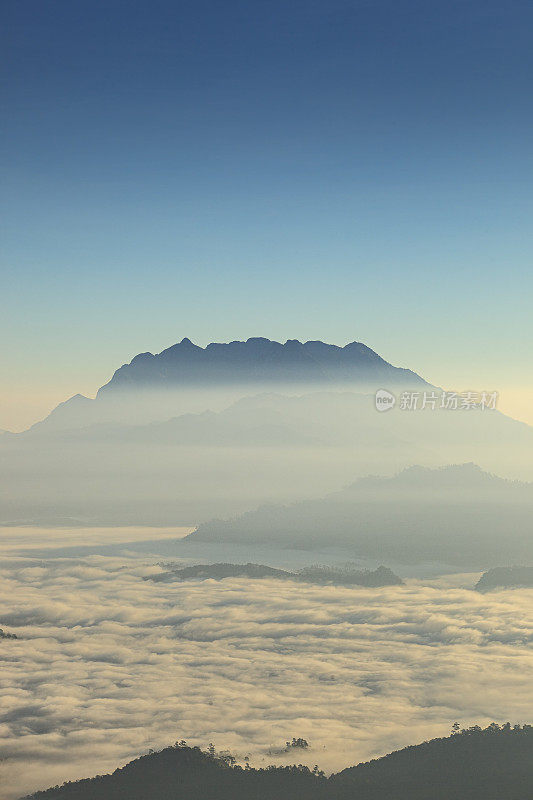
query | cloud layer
[108, 665]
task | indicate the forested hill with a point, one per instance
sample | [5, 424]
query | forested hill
[495, 763]
[490, 764]
[345, 575]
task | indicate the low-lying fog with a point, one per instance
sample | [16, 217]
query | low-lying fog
[186, 468]
[108, 665]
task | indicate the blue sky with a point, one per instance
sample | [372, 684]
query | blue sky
[338, 170]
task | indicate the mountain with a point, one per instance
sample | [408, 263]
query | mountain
[257, 361]
[187, 378]
[474, 764]
[506, 578]
[457, 515]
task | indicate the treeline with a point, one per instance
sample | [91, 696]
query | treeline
[505, 578]
[472, 764]
[345, 575]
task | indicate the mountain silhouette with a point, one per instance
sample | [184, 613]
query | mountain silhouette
[257, 361]
[475, 764]
[457, 515]
[186, 378]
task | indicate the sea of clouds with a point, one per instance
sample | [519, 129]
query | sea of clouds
[108, 665]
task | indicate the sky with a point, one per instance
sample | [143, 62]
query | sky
[338, 170]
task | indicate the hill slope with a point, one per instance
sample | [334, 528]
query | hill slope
[475, 764]
[341, 576]
[506, 578]
[457, 515]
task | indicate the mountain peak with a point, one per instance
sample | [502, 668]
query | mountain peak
[259, 361]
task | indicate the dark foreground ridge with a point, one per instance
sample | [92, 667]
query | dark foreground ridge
[345, 575]
[505, 578]
[495, 763]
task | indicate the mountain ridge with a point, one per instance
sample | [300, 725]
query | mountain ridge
[254, 360]
[151, 386]
[472, 764]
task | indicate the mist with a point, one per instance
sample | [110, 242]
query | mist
[163, 459]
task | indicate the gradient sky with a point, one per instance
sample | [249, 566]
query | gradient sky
[334, 169]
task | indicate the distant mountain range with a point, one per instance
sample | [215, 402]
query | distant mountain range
[457, 515]
[188, 468]
[495, 763]
[193, 433]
